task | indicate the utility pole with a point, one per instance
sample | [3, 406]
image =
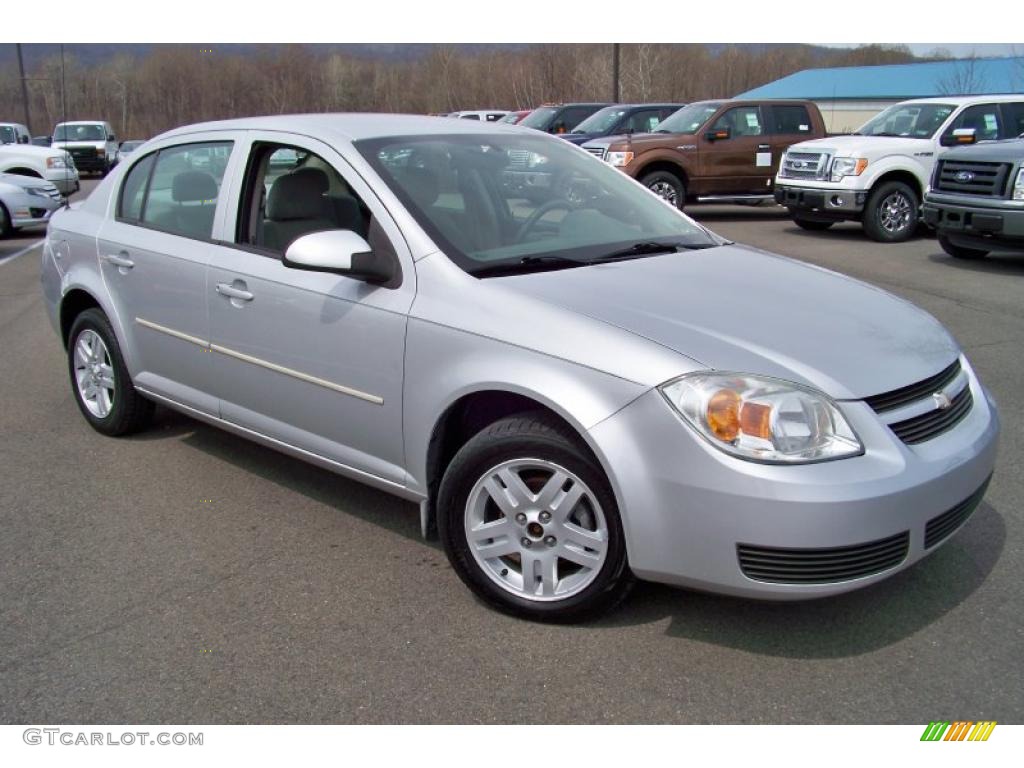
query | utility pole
[63, 90]
[24, 88]
[615, 72]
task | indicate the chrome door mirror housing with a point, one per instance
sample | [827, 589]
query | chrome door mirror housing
[340, 251]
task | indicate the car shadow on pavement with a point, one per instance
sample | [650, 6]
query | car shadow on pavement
[846, 625]
[998, 263]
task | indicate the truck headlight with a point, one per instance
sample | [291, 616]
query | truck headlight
[1018, 185]
[848, 166]
[618, 159]
[762, 419]
[56, 162]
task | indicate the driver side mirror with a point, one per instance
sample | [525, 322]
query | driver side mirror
[719, 134]
[111, 137]
[340, 251]
[960, 137]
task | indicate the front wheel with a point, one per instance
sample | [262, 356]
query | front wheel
[99, 378]
[6, 228]
[890, 215]
[958, 251]
[530, 524]
[667, 186]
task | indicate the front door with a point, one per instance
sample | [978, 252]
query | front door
[312, 359]
[736, 163]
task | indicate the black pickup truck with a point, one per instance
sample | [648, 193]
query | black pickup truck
[976, 199]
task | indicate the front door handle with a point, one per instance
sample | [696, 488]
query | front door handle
[233, 293]
[120, 260]
[763, 147]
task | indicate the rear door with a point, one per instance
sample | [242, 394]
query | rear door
[735, 165]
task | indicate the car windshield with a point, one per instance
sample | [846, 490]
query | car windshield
[131, 146]
[916, 121]
[512, 203]
[79, 133]
[539, 118]
[689, 119]
[7, 135]
[601, 121]
[511, 117]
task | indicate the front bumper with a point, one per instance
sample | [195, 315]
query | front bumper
[30, 210]
[688, 509]
[64, 179]
[991, 228]
[823, 202]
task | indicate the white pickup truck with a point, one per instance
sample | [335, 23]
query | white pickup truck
[878, 175]
[53, 165]
[91, 143]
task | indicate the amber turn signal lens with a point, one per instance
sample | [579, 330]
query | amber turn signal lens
[756, 420]
[724, 415]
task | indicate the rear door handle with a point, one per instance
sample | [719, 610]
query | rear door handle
[120, 260]
[233, 293]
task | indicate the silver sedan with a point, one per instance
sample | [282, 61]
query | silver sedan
[579, 388]
[25, 201]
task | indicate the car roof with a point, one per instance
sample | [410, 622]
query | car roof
[81, 122]
[959, 100]
[348, 126]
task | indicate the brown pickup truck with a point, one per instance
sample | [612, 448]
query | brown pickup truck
[708, 151]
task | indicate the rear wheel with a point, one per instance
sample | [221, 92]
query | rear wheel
[958, 251]
[668, 186]
[890, 215]
[530, 524]
[6, 228]
[100, 380]
[811, 225]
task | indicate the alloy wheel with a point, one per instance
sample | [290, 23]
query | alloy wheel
[665, 191]
[94, 373]
[895, 212]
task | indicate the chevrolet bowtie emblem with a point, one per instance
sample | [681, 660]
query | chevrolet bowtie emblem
[942, 401]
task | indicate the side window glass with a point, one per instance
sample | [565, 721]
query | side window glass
[790, 119]
[643, 122]
[183, 191]
[740, 121]
[133, 190]
[983, 118]
[293, 192]
[1013, 119]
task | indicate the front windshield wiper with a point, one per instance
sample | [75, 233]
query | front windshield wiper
[637, 250]
[527, 264]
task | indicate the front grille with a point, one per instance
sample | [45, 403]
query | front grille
[805, 165]
[596, 151]
[945, 525]
[974, 178]
[82, 153]
[51, 192]
[897, 398]
[822, 566]
[934, 423]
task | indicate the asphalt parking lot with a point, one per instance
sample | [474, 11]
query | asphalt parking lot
[188, 576]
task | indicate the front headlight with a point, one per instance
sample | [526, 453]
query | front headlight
[848, 166]
[55, 162]
[618, 159]
[762, 419]
[1018, 185]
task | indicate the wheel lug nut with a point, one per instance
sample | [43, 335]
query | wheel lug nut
[521, 518]
[544, 517]
[526, 542]
[550, 541]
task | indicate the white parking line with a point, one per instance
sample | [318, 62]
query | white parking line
[22, 252]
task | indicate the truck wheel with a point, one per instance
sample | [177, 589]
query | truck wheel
[105, 169]
[811, 225]
[890, 215]
[529, 522]
[958, 251]
[5, 222]
[667, 186]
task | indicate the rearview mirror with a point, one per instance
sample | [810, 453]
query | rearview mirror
[960, 137]
[718, 134]
[340, 251]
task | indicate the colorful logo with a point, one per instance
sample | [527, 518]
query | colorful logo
[961, 730]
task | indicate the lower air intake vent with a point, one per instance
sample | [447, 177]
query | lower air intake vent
[942, 527]
[822, 566]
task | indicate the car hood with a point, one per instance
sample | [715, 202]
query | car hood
[23, 182]
[737, 308]
[638, 139]
[865, 146]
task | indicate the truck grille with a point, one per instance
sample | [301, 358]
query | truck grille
[974, 178]
[82, 153]
[945, 525]
[822, 566]
[596, 151]
[805, 165]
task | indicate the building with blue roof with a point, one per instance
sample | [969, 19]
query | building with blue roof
[850, 96]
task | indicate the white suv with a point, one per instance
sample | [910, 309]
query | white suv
[878, 175]
[91, 143]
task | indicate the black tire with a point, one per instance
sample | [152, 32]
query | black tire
[105, 169]
[959, 251]
[533, 436]
[811, 225]
[654, 181]
[129, 412]
[874, 213]
[6, 228]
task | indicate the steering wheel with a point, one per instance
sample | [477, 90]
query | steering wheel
[539, 212]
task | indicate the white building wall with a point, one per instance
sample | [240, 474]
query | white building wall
[842, 116]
